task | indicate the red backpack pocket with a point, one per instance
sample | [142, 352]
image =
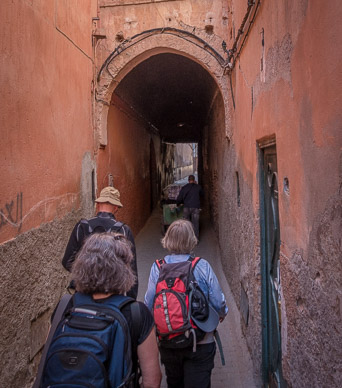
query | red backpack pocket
[170, 311]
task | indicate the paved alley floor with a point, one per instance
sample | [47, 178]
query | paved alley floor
[237, 373]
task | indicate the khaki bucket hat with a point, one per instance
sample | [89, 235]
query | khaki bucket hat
[111, 195]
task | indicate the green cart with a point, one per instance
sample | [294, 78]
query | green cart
[170, 213]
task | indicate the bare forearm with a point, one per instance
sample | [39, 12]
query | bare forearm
[148, 355]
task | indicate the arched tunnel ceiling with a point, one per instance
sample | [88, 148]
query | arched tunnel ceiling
[171, 92]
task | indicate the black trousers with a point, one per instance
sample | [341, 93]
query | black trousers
[187, 369]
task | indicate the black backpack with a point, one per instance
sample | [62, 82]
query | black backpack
[91, 346]
[99, 225]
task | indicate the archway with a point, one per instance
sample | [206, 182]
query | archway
[117, 66]
[162, 90]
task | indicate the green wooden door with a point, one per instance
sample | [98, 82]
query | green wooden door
[270, 247]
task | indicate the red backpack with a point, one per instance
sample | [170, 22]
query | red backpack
[178, 297]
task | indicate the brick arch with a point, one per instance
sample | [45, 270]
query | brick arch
[115, 68]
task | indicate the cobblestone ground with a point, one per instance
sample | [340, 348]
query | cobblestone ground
[237, 373]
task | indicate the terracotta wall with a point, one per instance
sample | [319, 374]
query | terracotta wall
[121, 20]
[128, 158]
[288, 87]
[46, 72]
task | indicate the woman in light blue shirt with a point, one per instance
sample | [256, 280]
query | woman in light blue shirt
[183, 367]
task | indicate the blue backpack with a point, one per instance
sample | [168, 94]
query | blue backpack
[91, 346]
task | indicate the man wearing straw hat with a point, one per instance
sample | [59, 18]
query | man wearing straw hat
[107, 205]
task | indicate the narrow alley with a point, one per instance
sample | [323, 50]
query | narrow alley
[137, 94]
[238, 371]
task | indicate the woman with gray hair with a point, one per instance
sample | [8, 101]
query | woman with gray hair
[102, 270]
[184, 367]
[102, 267]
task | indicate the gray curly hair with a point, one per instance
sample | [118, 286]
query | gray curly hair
[103, 265]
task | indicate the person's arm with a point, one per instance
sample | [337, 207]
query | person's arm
[151, 287]
[133, 292]
[72, 248]
[216, 296]
[214, 292]
[148, 355]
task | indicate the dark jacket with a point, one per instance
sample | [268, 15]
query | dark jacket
[190, 195]
[81, 231]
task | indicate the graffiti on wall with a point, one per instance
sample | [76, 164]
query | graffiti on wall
[12, 213]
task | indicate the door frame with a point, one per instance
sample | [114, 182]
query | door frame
[266, 320]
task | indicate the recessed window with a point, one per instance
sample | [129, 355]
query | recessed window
[286, 186]
[93, 197]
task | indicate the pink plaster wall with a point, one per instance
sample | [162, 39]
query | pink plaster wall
[127, 159]
[46, 151]
[45, 113]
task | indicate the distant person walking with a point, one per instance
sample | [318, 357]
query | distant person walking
[190, 195]
[108, 203]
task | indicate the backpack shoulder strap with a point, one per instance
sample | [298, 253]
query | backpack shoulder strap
[194, 261]
[116, 303]
[112, 225]
[135, 312]
[160, 262]
[61, 308]
[84, 221]
[120, 301]
[123, 300]
[119, 226]
[83, 224]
